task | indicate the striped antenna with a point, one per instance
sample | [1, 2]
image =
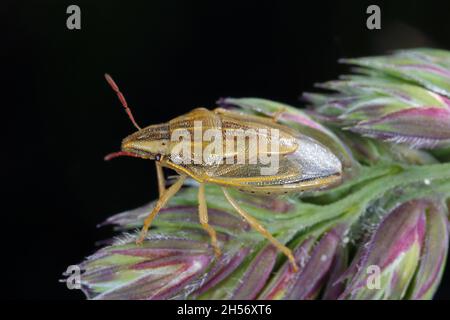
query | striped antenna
[121, 97]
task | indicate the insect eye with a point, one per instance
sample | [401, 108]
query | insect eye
[158, 157]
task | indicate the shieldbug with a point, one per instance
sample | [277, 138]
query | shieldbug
[302, 163]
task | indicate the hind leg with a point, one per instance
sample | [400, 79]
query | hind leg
[258, 227]
[273, 117]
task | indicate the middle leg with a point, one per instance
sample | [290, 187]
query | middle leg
[203, 214]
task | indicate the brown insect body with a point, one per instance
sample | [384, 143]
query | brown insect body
[303, 163]
[295, 174]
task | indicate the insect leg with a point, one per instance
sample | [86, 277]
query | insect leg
[274, 116]
[203, 214]
[277, 114]
[169, 193]
[161, 179]
[258, 227]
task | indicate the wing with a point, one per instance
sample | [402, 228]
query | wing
[226, 136]
[311, 167]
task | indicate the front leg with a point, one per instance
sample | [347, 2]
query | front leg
[169, 193]
[161, 179]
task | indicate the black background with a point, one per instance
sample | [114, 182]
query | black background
[59, 117]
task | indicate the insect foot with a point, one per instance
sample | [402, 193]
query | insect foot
[217, 251]
[141, 238]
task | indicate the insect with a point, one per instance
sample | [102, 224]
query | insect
[303, 164]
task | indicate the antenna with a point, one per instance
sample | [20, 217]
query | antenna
[119, 154]
[121, 97]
